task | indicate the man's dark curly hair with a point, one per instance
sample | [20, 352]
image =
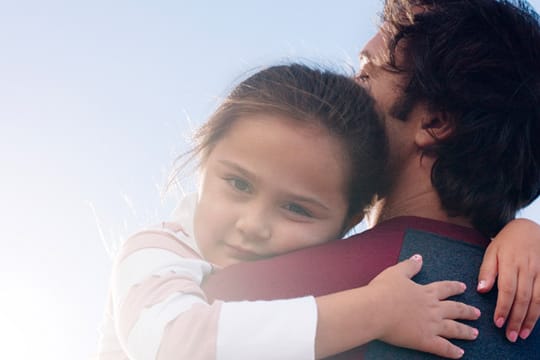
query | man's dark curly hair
[477, 62]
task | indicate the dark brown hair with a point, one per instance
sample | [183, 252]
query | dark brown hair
[477, 62]
[311, 96]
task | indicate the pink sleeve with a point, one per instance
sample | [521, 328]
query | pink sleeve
[162, 313]
[192, 335]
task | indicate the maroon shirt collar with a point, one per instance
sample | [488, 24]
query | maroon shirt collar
[458, 232]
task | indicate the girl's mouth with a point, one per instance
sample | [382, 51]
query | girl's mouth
[242, 253]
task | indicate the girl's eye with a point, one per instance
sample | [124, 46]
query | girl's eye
[239, 184]
[297, 209]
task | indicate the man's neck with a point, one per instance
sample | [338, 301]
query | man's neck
[413, 195]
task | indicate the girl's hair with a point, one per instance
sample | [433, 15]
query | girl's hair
[316, 97]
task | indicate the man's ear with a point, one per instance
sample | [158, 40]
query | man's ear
[433, 127]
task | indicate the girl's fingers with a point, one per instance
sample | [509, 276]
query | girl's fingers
[520, 305]
[442, 347]
[453, 310]
[411, 266]
[488, 270]
[447, 288]
[456, 330]
[533, 312]
[507, 285]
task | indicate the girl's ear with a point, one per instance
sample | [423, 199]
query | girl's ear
[434, 126]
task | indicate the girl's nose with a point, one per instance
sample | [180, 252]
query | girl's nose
[254, 226]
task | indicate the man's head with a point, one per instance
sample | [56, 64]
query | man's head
[473, 66]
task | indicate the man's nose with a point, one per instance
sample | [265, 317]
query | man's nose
[254, 225]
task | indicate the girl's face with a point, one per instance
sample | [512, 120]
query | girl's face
[270, 186]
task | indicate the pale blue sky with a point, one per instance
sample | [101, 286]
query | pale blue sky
[96, 100]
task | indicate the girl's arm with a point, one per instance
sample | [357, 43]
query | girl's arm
[514, 255]
[161, 312]
[154, 282]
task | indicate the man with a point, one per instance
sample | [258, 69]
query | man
[458, 85]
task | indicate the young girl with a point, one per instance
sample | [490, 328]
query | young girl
[291, 159]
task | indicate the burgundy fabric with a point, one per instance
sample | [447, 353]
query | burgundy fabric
[328, 268]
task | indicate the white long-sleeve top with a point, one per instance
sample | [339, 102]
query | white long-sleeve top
[157, 309]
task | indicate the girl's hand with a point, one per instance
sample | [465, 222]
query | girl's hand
[514, 255]
[418, 316]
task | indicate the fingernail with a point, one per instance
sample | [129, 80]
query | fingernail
[513, 336]
[464, 286]
[524, 333]
[477, 312]
[482, 285]
[475, 333]
[461, 352]
[417, 257]
[499, 322]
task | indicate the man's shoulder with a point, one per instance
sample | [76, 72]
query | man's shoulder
[451, 258]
